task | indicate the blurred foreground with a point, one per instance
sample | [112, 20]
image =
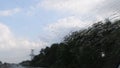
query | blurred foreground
[15, 66]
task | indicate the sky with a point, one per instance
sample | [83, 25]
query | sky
[35, 24]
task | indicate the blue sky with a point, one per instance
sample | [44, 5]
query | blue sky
[26, 25]
[21, 23]
[35, 24]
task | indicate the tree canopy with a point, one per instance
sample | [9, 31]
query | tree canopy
[95, 47]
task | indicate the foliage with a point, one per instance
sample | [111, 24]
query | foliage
[25, 63]
[88, 48]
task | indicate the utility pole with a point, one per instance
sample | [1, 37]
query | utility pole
[32, 54]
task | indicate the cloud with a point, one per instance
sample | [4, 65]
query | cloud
[97, 8]
[15, 49]
[110, 9]
[89, 10]
[9, 12]
[55, 32]
[111, 5]
[79, 6]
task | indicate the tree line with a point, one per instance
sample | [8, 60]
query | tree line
[95, 47]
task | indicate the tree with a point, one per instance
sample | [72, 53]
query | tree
[95, 47]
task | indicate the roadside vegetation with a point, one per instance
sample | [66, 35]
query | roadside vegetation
[95, 47]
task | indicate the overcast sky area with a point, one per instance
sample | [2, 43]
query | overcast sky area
[35, 24]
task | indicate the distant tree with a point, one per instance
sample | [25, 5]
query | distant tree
[25, 63]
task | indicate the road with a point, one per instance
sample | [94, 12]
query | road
[15, 66]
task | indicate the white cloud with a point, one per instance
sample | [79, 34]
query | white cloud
[9, 12]
[109, 9]
[55, 32]
[96, 8]
[79, 6]
[15, 49]
[88, 9]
